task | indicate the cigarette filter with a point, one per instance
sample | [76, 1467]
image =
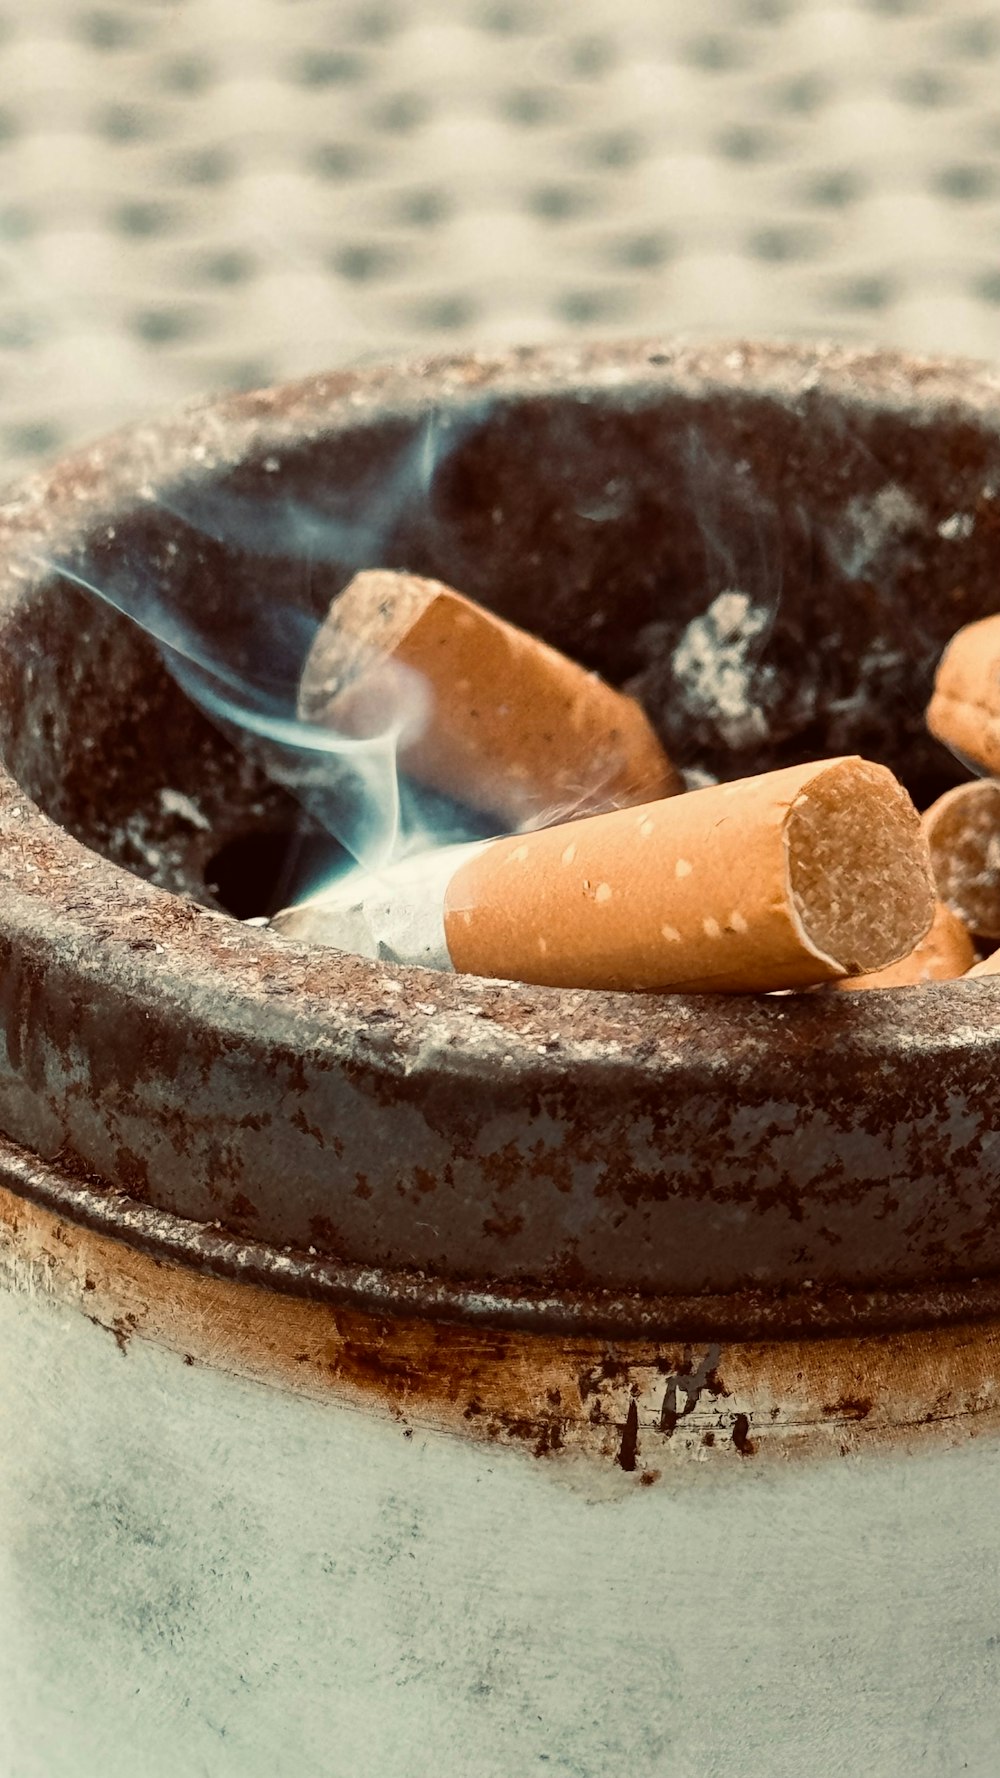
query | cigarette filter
[963, 833]
[964, 711]
[781, 881]
[510, 726]
[945, 953]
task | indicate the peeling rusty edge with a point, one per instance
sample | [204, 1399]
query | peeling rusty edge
[405, 1294]
[633, 1410]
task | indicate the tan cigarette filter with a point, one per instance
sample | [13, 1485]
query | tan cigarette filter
[512, 727]
[781, 881]
[964, 711]
[946, 953]
[963, 833]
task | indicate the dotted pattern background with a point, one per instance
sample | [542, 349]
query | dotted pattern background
[200, 194]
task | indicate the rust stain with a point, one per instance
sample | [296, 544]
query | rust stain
[628, 1450]
[633, 1406]
[745, 1445]
[849, 1407]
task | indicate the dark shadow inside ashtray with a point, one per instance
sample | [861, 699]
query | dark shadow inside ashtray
[256, 873]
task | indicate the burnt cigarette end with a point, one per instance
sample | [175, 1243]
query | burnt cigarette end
[858, 867]
[963, 833]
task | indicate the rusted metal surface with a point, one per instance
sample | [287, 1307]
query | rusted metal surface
[631, 1405]
[380, 1292]
[524, 1142]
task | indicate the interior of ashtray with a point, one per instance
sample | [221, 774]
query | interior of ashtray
[850, 840]
[770, 576]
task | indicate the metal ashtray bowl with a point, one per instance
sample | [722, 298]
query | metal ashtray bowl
[500, 1254]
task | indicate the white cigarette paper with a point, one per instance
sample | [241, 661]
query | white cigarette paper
[391, 916]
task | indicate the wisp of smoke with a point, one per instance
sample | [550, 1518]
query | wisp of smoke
[350, 786]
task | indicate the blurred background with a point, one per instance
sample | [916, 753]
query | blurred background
[205, 194]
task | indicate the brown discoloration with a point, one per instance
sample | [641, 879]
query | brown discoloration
[849, 1407]
[629, 1448]
[745, 1445]
[549, 1397]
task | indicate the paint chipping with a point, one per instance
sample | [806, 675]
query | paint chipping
[629, 1446]
[741, 1436]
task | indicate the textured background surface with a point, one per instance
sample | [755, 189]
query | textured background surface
[221, 192]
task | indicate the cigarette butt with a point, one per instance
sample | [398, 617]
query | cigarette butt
[946, 953]
[963, 833]
[510, 726]
[964, 711]
[796, 877]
